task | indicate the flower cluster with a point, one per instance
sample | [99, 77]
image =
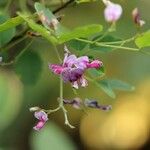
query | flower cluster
[73, 68]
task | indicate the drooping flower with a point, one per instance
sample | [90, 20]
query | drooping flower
[42, 117]
[95, 104]
[72, 69]
[137, 18]
[112, 12]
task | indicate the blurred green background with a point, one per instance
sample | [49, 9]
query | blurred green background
[29, 83]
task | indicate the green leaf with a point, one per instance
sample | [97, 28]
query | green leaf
[51, 137]
[39, 29]
[106, 87]
[7, 35]
[107, 38]
[97, 72]
[143, 40]
[80, 32]
[77, 45]
[28, 67]
[10, 23]
[11, 93]
[120, 85]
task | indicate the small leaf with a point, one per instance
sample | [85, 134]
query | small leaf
[107, 38]
[97, 72]
[51, 137]
[29, 67]
[11, 93]
[80, 32]
[143, 40]
[77, 45]
[7, 35]
[106, 87]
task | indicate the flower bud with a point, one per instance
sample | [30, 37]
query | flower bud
[112, 11]
[136, 17]
[33, 109]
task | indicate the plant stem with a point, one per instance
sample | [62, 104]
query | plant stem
[62, 106]
[64, 6]
[107, 45]
[57, 53]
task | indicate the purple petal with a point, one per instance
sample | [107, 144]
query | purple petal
[95, 64]
[39, 125]
[82, 62]
[41, 115]
[72, 74]
[69, 60]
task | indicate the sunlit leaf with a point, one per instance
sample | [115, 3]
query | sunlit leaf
[77, 45]
[10, 97]
[100, 38]
[28, 67]
[80, 32]
[51, 137]
[7, 35]
[143, 40]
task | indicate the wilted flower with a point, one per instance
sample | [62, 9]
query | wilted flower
[112, 11]
[76, 102]
[136, 17]
[94, 104]
[42, 117]
[73, 68]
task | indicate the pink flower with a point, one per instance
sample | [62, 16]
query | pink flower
[136, 17]
[73, 68]
[42, 117]
[112, 11]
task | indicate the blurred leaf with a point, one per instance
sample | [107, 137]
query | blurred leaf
[51, 138]
[80, 32]
[120, 85]
[77, 45]
[29, 67]
[108, 85]
[107, 38]
[10, 97]
[10, 23]
[143, 40]
[97, 72]
[7, 35]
